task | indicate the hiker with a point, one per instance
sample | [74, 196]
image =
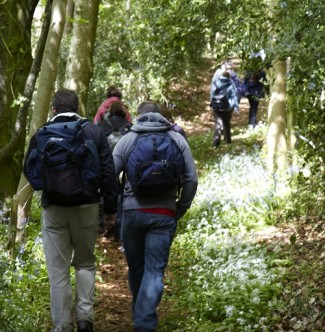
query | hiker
[151, 211]
[114, 123]
[70, 219]
[223, 97]
[113, 94]
[228, 66]
[166, 112]
[254, 90]
[114, 126]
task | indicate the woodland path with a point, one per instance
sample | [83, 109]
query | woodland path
[113, 299]
[113, 303]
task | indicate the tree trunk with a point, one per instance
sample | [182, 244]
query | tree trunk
[70, 16]
[15, 48]
[43, 96]
[127, 12]
[22, 199]
[80, 68]
[65, 44]
[291, 120]
[276, 136]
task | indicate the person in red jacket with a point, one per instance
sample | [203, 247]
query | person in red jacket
[113, 95]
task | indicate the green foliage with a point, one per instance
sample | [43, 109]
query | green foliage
[36, 211]
[303, 36]
[24, 288]
[202, 153]
[243, 27]
[307, 196]
[144, 49]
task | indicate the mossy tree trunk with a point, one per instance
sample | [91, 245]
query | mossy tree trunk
[24, 193]
[80, 61]
[16, 18]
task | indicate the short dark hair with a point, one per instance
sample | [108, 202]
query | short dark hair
[117, 109]
[148, 106]
[113, 91]
[65, 101]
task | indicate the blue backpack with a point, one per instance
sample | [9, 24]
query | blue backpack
[220, 100]
[64, 162]
[154, 164]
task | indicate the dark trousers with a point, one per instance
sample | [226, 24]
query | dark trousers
[253, 107]
[222, 120]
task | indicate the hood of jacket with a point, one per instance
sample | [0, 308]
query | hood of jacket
[150, 122]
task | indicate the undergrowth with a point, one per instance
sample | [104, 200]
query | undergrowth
[222, 276]
[24, 289]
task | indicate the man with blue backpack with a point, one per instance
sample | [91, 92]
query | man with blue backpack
[69, 159]
[159, 185]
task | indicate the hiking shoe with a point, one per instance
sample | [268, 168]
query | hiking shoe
[216, 143]
[84, 326]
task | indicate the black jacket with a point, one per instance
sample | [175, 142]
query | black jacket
[115, 123]
[108, 182]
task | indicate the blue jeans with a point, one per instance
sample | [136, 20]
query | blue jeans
[147, 238]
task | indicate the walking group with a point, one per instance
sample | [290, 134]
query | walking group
[136, 177]
[226, 91]
[140, 175]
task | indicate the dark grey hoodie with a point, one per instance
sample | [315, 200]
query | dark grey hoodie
[151, 122]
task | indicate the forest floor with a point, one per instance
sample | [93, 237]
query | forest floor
[192, 112]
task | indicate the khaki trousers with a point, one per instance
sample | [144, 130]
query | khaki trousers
[69, 237]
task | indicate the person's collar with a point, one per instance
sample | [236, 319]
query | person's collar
[67, 114]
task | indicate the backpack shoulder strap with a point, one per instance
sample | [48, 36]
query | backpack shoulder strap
[84, 122]
[110, 124]
[127, 126]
